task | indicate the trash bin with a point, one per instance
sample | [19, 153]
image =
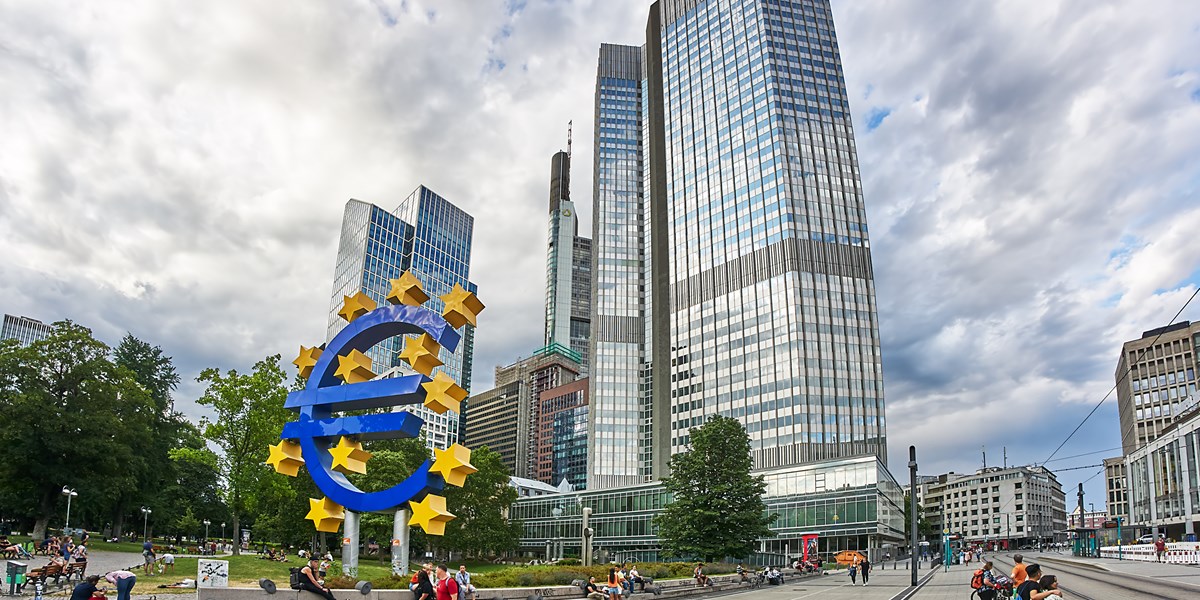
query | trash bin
[14, 576]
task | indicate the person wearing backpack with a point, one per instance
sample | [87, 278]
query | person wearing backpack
[854, 573]
[308, 580]
[985, 582]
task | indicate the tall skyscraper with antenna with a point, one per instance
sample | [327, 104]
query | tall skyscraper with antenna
[568, 265]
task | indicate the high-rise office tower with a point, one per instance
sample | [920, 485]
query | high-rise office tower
[24, 329]
[430, 237]
[1156, 381]
[568, 267]
[733, 268]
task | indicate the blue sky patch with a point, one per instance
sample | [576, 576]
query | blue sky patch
[876, 117]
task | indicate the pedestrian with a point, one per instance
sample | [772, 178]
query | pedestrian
[1032, 588]
[864, 569]
[1018, 573]
[147, 555]
[614, 584]
[854, 573]
[447, 588]
[309, 582]
[424, 589]
[168, 562]
[1160, 548]
[1050, 585]
[466, 591]
[84, 589]
[124, 580]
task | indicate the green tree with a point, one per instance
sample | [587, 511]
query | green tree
[718, 509]
[186, 524]
[150, 368]
[154, 469]
[481, 525]
[71, 418]
[249, 416]
[924, 527]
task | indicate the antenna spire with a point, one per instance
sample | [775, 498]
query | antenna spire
[570, 125]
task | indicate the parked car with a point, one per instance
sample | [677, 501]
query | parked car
[1146, 539]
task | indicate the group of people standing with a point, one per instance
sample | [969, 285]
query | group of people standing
[1029, 582]
[429, 583]
[861, 565]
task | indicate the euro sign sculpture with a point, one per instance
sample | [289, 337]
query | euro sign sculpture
[339, 378]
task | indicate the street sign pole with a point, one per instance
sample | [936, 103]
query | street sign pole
[913, 519]
[946, 550]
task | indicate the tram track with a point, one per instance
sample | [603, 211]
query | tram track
[1074, 586]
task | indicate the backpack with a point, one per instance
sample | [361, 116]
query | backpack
[977, 579]
[294, 576]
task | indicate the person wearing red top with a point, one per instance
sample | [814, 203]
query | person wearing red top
[447, 588]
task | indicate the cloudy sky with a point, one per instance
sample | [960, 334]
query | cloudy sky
[179, 170]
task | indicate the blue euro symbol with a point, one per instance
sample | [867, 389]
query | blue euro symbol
[316, 429]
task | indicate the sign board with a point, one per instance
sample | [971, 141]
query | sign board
[212, 574]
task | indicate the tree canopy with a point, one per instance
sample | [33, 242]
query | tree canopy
[717, 508]
[249, 416]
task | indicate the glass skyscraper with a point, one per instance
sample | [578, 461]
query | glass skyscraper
[429, 236]
[730, 231]
[568, 268]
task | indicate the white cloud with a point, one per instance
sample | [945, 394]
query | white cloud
[179, 170]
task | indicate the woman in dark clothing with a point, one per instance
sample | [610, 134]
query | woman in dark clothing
[424, 589]
[84, 589]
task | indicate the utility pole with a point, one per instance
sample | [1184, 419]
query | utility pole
[913, 520]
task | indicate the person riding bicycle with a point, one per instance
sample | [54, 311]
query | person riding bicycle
[984, 581]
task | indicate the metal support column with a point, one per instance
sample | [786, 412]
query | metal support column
[350, 544]
[585, 553]
[400, 543]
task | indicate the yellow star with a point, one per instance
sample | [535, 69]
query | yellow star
[356, 306]
[325, 514]
[453, 463]
[407, 290]
[442, 394]
[285, 457]
[422, 354]
[431, 514]
[307, 360]
[354, 367]
[462, 307]
[349, 456]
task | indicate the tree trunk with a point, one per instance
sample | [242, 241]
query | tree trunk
[118, 524]
[237, 540]
[39, 529]
[43, 520]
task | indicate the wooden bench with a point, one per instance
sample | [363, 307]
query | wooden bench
[45, 573]
[75, 569]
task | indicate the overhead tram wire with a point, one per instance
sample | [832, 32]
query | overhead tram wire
[1084, 454]
[1123, 376]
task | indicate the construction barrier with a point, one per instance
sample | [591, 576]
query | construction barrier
[1180, 553]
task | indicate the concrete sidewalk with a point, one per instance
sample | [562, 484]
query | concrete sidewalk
[944, 585]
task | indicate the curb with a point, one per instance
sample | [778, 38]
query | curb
[911, 590]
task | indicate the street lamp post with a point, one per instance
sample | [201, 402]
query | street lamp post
[145, 522]
[69, 493]
[206, 524]
[222, 531]
[912, 511]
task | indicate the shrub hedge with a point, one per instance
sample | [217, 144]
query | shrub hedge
[548, 575]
